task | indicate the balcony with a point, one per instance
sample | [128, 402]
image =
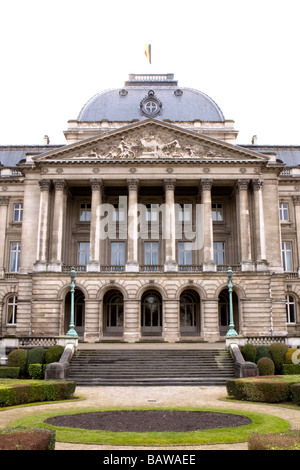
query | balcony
[151, 268]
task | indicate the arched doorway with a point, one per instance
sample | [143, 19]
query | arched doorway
[224, 317]
[79, 312]
[189, 313]
[113, 313]
[151, 315]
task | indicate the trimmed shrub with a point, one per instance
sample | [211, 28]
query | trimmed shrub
[25, 438]
[53, 354]
[290, 369]
[18, 358]
[266, 366]
[18, 394]
[36, 371]
[36, 356]
[9, 372]
[249, 352]
[278, 351]
[258, 390]
[262, 351]
[295, 389]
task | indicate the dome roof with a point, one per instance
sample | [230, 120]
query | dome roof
[151, 96]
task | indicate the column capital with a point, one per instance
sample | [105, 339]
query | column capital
[169, 183]
[206, 184]
[133, 184]
[257, 184]
[242, 185]
[4, 200]
[45, 185]
[60, 185]
[96, 184]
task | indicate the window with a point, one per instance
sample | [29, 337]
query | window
[118, 254]
[184, 253]
[18, 212]
[12, 310]
[290, 309]
[119, 213]
[15, 253]
[185, 213]
[217, 212]
[287, 258]
[85, 212]
[283, 212]
[219, 253]
[83, 253]
[151, 253]
[152, 212]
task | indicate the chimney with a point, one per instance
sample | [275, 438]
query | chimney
[254, 140]
[46, 140]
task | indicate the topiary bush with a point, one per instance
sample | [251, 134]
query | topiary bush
[53, 354]
[18, 358]
[36, 356]
[259, 390]
[278, 351]
[249, 352]
[266, 366]
[36, 371]
[262, 351]
[25, 438]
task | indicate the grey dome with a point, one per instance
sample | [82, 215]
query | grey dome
[175, 104]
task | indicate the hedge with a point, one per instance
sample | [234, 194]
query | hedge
[295, 389]
[36, 371]
[29, 392]
[290, 369]
[266, 390]
[9, 372]
[25, 438]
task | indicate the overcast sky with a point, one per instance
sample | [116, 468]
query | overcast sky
[55, 55]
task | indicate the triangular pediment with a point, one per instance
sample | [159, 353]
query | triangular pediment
[146, 140]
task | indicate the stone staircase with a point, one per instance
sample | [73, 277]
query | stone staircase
[151, 367]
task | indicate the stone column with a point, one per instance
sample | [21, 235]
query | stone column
[132, 264]
[169, 226]
[4, 200]
[43, 228]
[208, 244]
[296, 200]
[244, 225]
[260, 238]
[58, 225]
[94, 263]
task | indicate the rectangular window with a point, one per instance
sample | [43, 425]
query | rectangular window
[152, 212]
[217, 212]
[184, 253]
[85, 212]
[283, 212]
[119, 213]
[15, 254]
[287, 258]
[118, 254]
[12, 310]
[185, 213]
[151, 253]
[18, 212]
[83, 253]
[290, 309]
[219, 253]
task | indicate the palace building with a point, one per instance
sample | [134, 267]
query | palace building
[150, 200]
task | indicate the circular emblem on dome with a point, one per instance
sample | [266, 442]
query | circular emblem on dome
[150, 105]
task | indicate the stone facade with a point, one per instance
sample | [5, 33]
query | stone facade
[151, 214]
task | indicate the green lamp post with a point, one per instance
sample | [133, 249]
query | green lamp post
[72, 331]
[231, 332]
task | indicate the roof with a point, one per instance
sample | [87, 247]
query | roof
[175, 103]
[11, 155]
[288, 154]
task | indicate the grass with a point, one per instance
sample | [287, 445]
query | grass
[261, 423]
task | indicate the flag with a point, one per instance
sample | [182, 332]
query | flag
[148, 52]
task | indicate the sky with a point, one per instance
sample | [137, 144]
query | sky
[55, 55]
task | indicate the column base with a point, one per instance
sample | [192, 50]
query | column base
[262, 265]
[93, 267]
[171, 267]
[247, 266]
[55, 266]
[40, 266]
[132, 267]
[209, 266]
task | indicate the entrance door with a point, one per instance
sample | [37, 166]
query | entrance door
[151, 314]
[189, 313]
[113, 313]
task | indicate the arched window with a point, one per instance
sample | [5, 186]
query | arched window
[113, 313]
[290, 309]
[151, 314]
[12, 302]
[189, 313]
